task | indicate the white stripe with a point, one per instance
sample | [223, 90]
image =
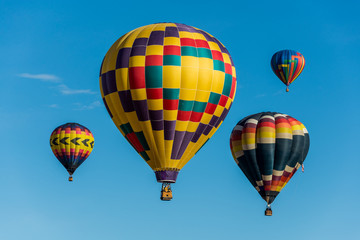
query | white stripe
[249, 146]
[267, 116]
[238, 127]
[284, 135]
[239, 154]
[289, 169]
[260, 183]
[251, 120]
[267, 177]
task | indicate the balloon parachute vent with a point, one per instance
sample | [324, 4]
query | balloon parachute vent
[70, 179]
[166, 193]
[268, 212]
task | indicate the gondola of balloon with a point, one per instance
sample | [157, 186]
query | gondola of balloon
[168, 87]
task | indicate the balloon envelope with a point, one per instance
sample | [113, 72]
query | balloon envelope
[71, 143]
[287, 65]
[269, 147]
[167, 88]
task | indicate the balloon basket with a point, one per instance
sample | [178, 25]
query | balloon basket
[287, 89]
[166, 193]
[70, 178]
[268, 212]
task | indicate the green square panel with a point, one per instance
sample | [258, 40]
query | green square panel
[188, 51]
[204, 52]
[185, 105]
[172, 60]
[153, 76]
[227, 84]
[214, 98]
[219, 65]
[199, 107]
[171, 93]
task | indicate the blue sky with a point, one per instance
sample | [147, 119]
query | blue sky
[50, 59]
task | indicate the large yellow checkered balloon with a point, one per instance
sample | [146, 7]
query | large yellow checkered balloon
[168, 88]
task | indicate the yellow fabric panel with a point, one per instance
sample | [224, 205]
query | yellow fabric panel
[226, 58]
[191, 150]
[202, 96]
[206, 63]
[190, 61]
[233, 72]
[171, 76]
[138, 94]
[218, 82]
[150, 162]
[122, 82]
[189, 77]
[170, 115]
[213, 130]
[218, 111]
[184, 34]
[137, 61]
[101, 88]
[187, 94]
[129, 40]
[198, 36]
[118, 43]
[160, 27]
[214, 46]
[229, 101]
[181, 125]
[147, 130]
[168, 149]
[206, 118]
[155, 104]
[142, 32]
[115, 107]
[154, 50]
[160, 145]
[133, 119]
[171, 41]
[110, 60]
[205, 79]
[192, 126]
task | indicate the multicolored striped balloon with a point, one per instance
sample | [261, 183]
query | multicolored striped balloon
[71, 143]
[167, 88]
[269, 147]
[287, 65]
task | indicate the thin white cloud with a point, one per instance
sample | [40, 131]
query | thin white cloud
[80, 106]
[280, 92]
[41, 77]
[68, 91]
[53, 106]
[260, 95]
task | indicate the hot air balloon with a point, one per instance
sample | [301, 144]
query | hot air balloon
[269, 147]
[71, 143]
[287, 65]
[167, 88]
